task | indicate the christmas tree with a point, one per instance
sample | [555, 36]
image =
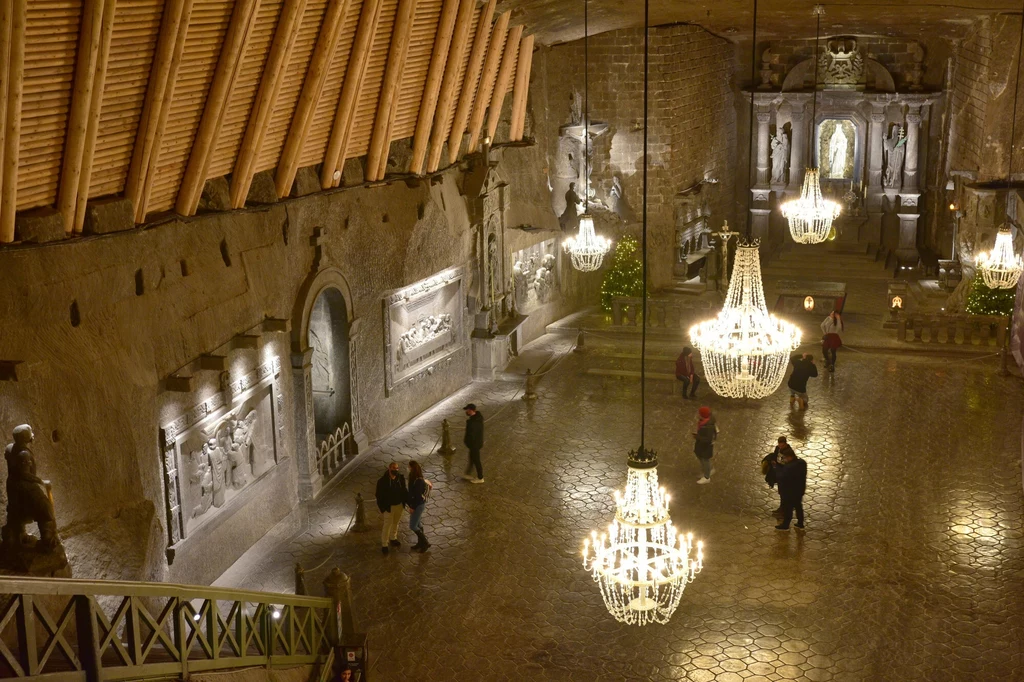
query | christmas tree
[626, 276]
[984, 301]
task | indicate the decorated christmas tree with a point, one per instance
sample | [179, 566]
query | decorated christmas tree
[625, 278]
[984, 301]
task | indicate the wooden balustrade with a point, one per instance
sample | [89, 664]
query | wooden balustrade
[965, 330]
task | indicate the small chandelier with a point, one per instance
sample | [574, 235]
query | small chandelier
[810, 217]
[1000, 268]
[642, 563]
[586, 248]
[745, 350]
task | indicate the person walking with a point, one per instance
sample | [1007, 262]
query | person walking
[391, 497]
[792, 480]
[803, 369]
[419, 491]
[830, 341]
[474, 440]
[686, 373]
[704, 447]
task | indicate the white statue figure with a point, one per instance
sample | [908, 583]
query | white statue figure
[837, 153]
[780, 157]
[895, 150]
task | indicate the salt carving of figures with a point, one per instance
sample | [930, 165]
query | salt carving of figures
[218, 469]
[541, 284]
[837, 153]
[569, 220]
[201, 478]
[519, 283]
[780, 156]
[617, 202]
[895, 150]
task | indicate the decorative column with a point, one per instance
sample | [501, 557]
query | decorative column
[310, 481]
[763, 119]
[913, 135]
[875, 193]
[797, 153]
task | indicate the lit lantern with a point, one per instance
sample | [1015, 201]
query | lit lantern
[809, 304]
[897, 303]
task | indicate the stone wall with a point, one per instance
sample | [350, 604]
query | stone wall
[691, 132]
[100, 323]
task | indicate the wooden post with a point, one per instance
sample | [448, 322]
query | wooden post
[6, 21]
[501, 84]
[89, 37]
[450, 82]
[95, 109]
[476, 62]
[521, 90]
[266, 99]
[240, 26]
[431, 89]
[486, 86]
[312, 87]
[359, 58]
[338, 587]
[380, 139]
[170, 43]
[17, 10]
[88, 642]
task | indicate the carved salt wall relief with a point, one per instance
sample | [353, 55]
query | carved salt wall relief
[533, 276]
[423, 325]
[220, 447]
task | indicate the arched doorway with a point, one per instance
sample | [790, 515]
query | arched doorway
[328, 339]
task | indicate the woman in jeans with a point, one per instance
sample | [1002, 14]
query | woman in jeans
[704, 448]
[830, 341]
[419, 490]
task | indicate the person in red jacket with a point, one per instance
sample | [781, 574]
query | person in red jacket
[686, 373]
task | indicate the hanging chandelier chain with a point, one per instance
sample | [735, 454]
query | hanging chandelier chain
[643, 330]
[586, 108]
[818, 9]
[1016, 91]
[753, 78]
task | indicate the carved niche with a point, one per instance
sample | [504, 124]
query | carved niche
[221, 447]
[423, 326]
[534, 277]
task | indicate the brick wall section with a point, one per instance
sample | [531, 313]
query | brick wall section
[692, 122]
[894, 54]
[969, 96]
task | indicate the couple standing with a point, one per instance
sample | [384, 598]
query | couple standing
[393, 497]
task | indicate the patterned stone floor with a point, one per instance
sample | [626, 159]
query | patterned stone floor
[911, 567]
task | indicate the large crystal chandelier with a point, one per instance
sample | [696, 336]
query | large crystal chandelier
[810, 216]
[587, 249]
[745, 350]
[642, 563]
[1001, 267]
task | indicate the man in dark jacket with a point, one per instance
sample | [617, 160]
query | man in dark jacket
[803, 369]
[474, 440]
[770, 465]
[792, 481]
[391, 498]
[686, 373]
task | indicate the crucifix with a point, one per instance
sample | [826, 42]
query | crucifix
[723, 236]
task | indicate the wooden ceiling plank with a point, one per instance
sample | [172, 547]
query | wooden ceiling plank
[312, 87]
[266, 99]
[380, 139]
[501, 83]
[16, 11]
[431, 89]
[358, 60]
[487, 78]
[6, 22]
[456, 55]
[236, 40]
[170, 44]
[521, 89]
[476, 60]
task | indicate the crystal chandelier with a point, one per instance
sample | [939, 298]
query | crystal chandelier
[810, 216]
[586, 248]
[745, 350]
[642, 563]
[1001, 267]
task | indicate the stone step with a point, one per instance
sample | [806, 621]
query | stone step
[630, 374]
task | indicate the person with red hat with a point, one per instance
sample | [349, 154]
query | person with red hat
[704, 447]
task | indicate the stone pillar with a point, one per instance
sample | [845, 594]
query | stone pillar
[763, 118]
[910, 163]
[875, 195]
[797, 152]
[759, 223]
[310, 481]
[906, 252]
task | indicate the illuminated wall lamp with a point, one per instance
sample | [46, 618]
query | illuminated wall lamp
[809, 304]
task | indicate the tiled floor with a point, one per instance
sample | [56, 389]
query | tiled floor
[911, 567]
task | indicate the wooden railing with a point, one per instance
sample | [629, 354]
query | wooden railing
[334, 451]
[87, 631]
[967, 330]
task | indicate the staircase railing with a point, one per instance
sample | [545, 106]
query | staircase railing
[79, 630]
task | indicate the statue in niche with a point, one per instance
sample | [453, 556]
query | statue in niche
[218, 467]
[569, 220]
[617, 202]
[29, 500]
[837, 147]
[576, 108]
[780, 158]
[895, 150]
[519, 284]
[201, 479]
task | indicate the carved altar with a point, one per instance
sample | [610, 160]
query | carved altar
[866, 138]
[534, 276]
